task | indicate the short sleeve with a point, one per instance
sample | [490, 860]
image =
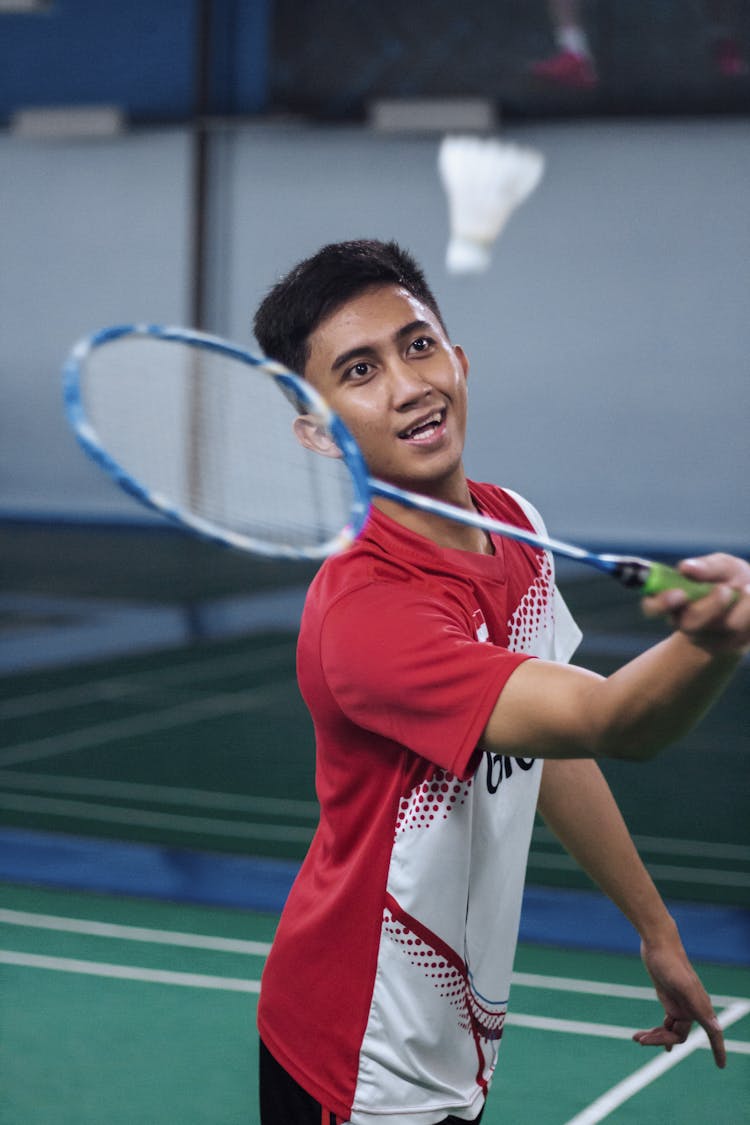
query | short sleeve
[405, 665]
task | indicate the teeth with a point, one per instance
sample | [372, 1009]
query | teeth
[420, 431]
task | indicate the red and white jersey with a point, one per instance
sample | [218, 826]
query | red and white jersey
[386, 989]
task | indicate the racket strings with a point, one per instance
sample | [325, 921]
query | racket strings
[212, 438]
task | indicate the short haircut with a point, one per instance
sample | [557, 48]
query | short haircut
[319, 285]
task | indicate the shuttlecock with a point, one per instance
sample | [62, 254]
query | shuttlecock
[485, 181]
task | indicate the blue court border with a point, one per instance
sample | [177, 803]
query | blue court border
[569, 918]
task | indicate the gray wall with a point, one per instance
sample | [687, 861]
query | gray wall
[91, 233]
[609, 342]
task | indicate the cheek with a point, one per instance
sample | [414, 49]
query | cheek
[364, 416]
[371, 440]
[460, 397]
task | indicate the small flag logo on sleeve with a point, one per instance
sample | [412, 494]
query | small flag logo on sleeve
[480, 625]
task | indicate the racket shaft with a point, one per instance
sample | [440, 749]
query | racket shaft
[486, 523]
[649, 577]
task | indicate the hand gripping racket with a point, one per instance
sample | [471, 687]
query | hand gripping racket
[196, 428]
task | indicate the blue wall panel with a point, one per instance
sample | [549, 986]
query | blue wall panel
[139, 55]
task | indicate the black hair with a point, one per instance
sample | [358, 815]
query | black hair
[319, 285]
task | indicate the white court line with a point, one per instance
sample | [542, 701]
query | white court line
[127, 972]
[589, 987]
[602, 988]
[735, 1009]
[148, 722]
[735, 1046]
[118, 687]
[571, 1027]
[144, 818]
[92, 928]
[89, 926]
[159, 794]
[603, 1030]
[623, 1091]
[238, 984]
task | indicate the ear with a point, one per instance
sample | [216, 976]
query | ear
[310, 433]
[462, 359]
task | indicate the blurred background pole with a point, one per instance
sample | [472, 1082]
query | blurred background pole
[199, 163]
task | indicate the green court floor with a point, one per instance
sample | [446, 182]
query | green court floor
[148, 697]
[120, 1010]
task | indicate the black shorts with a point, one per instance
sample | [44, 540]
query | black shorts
[283, 1101]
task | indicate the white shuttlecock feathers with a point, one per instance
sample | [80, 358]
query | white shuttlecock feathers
[485, 180]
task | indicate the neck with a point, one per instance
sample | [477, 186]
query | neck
[442, 531]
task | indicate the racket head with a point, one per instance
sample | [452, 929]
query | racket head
[154, 406]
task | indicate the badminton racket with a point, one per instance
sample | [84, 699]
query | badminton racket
[201, 430]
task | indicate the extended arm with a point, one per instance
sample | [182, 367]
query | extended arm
[559, 711]
[579, 808]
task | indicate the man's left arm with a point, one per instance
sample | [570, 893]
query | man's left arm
[577, 805]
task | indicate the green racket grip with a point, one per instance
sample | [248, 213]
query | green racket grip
[662, 577]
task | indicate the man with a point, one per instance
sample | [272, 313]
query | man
[433, 659]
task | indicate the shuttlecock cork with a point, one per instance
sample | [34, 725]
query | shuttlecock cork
[485, 180]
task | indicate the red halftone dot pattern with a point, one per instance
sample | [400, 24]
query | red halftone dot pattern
[433, 800]
[488, 1020]
[474, 1015]
[534, 614]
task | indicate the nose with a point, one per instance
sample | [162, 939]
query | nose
[407, 385]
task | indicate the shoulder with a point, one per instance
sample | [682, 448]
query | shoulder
[506, 504]
[363, 564]
[366, 585]
[532, 514]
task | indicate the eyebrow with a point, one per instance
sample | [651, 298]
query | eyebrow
[369, 350]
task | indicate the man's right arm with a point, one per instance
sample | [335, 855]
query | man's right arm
[549, 710]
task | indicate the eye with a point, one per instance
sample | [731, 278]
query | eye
[358, 371]
[422, 344]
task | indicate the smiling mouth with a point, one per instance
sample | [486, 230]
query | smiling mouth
[424, 429]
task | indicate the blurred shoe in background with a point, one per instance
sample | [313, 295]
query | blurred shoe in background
[567, 68]
[729, 60]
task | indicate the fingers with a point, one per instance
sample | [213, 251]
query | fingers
[716, 1039]
[671, 1032]
[717, 568]
[675, 1031]
[656, 1037]
[675, 603]
[684, 999]
[721, 620]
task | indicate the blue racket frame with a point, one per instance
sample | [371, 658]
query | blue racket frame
[631, 571]
[301, 393]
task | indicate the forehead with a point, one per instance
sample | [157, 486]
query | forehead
[372, 317]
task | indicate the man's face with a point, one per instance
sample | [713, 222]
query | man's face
[383, 362]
